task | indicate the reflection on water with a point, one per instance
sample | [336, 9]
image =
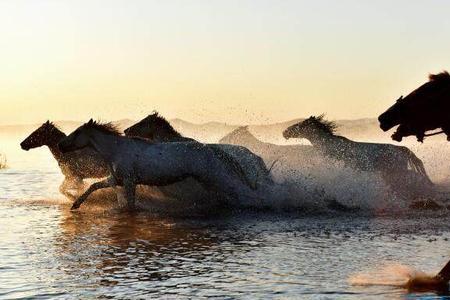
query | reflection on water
[47, 250]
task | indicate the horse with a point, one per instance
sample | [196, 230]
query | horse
[424, 109]
[156, 128]
[133, 161]
[272, 153]
[75, 166]
[390, 160]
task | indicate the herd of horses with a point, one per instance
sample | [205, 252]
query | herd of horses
[151, 152]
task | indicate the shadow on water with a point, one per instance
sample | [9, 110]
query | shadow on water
[49, 251]
[121, 249]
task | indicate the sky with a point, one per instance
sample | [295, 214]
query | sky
[228, 61]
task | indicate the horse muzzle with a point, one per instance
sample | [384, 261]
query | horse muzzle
[385, 125]
[286, 135]
[24, 147]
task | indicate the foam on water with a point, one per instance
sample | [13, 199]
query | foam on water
[303, 181]
[390, 274]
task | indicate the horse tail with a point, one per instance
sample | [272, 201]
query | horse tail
[234, 164]
[417, 165]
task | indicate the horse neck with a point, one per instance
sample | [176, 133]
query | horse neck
[322, 139]
[167, 134]
[105, 145]
[52, 144]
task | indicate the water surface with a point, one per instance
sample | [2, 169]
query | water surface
[50, 252]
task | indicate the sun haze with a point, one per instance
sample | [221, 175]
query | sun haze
[231, 61]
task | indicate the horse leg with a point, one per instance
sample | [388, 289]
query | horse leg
[95, 186]
[130, 191]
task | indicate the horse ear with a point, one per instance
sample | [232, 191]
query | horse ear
[91, 121]
[47, 123]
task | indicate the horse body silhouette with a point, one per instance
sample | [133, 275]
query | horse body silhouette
[133, 161]
[75, 166]
[391, 160]
[426, 108]
[272, 153]
[156, 128]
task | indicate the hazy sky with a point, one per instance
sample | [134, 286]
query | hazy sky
[234, 61]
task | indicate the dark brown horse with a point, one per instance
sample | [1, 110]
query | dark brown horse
[75, 166]
[426, 108]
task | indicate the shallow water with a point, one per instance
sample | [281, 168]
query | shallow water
[48, 251]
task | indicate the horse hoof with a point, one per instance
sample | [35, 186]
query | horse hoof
[74, 207]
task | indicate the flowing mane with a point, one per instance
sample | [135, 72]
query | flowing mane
[238, 136]
[108, 128]
[327, 126]
[53, 125]
[443, 76]
[162, 123]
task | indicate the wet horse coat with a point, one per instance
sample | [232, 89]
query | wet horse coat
[391, 160]
[133, 161]
[156, 128]
[76, 165]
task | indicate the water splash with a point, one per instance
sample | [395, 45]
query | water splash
[390, 274]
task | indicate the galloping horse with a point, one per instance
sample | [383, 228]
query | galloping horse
[156, 128]
[392, 161]
[271, 152]
[426, 108]
[133, 161]
[75, 166]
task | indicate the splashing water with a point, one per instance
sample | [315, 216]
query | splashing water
[390, 274]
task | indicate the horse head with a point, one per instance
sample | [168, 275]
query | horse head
[46, 134]
[393, 115]
[424, 109]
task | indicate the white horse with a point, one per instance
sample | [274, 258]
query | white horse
[133, 161]
[156, 128]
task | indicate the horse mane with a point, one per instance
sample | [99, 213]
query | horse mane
[237, 132]
[327, 126]
[108, 128]
[52, 126]
[162, 122]
[239, 135]
[443, 76]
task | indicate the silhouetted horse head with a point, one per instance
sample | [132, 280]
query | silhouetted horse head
[312, 126]
[393, 115]
[46, 134]
[424, 109]
[153, 127]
